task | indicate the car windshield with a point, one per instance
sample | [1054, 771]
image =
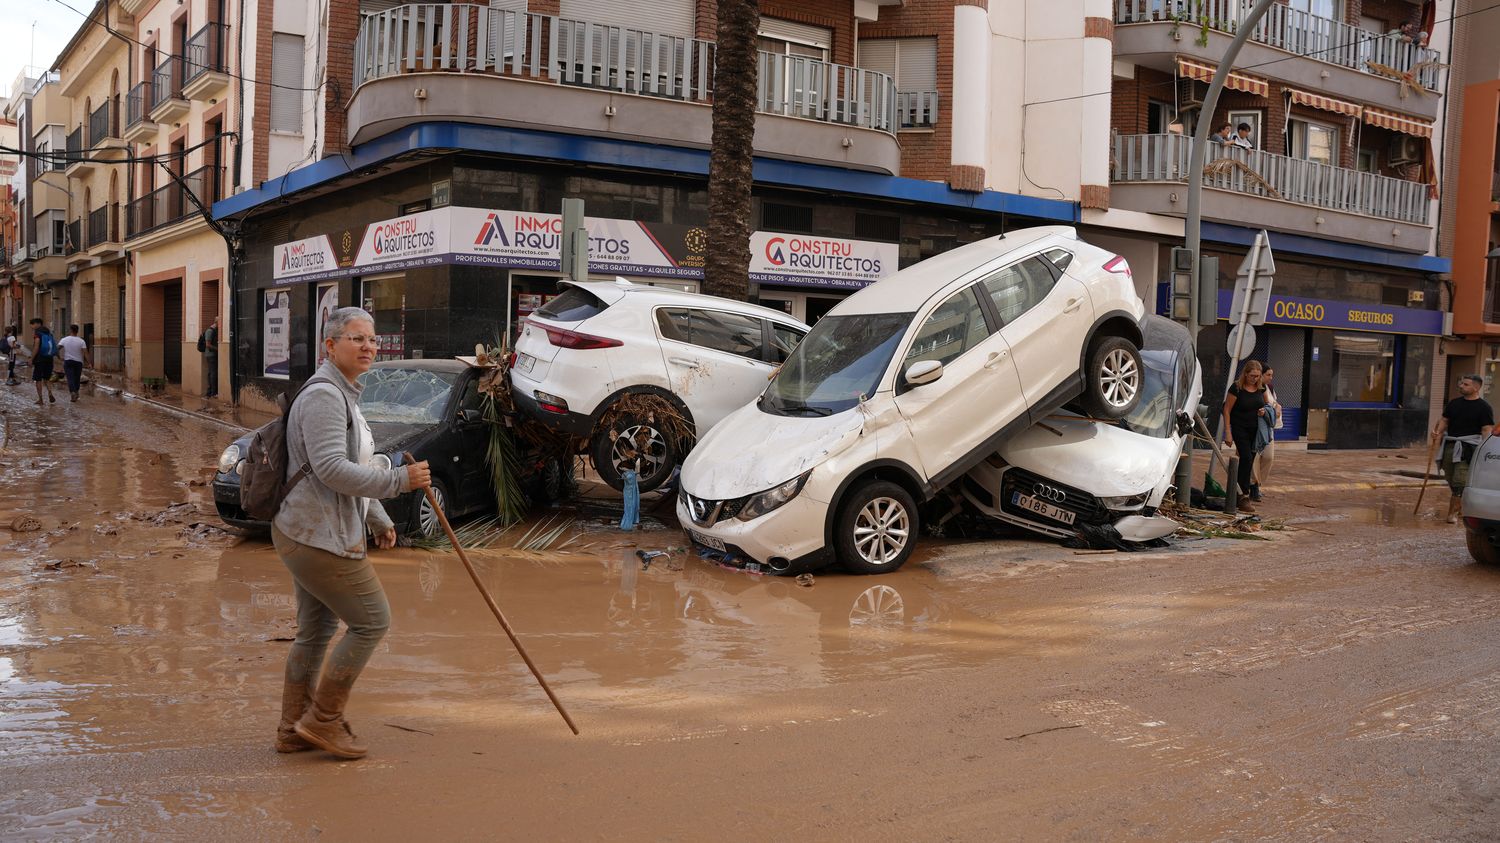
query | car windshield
[839, 362]
[405, 396]
[1156, 413]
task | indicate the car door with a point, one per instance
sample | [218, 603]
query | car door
[978, 394]
[713, 360]
[471, 445]
[1045, 319]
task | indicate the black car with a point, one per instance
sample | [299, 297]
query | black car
[432, 408]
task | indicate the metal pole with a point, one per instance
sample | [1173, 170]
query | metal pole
[1193, 227]
[1242, 322]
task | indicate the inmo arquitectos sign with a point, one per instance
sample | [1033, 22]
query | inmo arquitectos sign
[806, 260]
[305, 260]
[533, 241]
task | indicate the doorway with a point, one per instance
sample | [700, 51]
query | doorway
[804, 307]
[171, 325]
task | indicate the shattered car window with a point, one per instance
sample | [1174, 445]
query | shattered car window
[405, 396]
[840, 360]
[1156, 413]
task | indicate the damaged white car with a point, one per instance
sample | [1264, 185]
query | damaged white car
[1073, 477]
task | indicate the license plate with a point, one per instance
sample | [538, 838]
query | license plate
[525, 362]
[1042, 508]
[707, 541]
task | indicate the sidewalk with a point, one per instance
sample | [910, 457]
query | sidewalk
[174, 400]
[1298, 470]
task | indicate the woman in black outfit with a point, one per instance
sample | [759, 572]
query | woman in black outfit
[1243, 407]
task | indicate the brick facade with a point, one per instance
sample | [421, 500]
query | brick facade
[927, 154]
[260, 155]
[343, 28]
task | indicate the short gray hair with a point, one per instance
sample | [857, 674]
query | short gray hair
[339, 319]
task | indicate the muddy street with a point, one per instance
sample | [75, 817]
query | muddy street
[1333, 681]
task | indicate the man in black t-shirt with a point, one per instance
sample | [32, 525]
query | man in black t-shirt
[1466, 421]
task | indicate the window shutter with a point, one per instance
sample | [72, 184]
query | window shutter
[371, 7]
[800, 32]
[667, 17]
[286, 70]
[879, 55]
[918, 65]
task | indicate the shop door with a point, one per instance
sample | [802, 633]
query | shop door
[817, 306]
[171, 346]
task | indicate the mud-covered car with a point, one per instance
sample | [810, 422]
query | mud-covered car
[1071, 476]
[1481, 504]
[432, 408]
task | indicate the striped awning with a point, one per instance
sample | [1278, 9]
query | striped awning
[1325, 103]
[1398, 122]
[1204, 72]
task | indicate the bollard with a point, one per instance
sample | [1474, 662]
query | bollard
[1231, 490]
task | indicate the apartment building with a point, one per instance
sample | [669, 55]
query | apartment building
[10, 233]
[42, 115]
[93, 77]
[183, 120]
[412, 159]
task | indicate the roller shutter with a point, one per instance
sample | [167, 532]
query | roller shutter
[667, 17]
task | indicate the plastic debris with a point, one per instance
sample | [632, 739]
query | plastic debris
[632, 492]
[805, 580]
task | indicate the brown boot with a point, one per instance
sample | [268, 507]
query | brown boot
[1243, 504]
[295, 698]
[323, 724]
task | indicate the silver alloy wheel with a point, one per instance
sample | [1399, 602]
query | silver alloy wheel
[652, 454]
[1119, 378]
[881, 531]
[427, 520]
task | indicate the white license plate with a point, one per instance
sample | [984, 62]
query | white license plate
[707, 541]
[525, 362]
[1042, 508]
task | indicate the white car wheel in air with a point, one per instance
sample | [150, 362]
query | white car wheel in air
[877, 528]
[1113, 378]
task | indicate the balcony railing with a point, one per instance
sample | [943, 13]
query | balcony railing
[205, 52]
[104, 123]
[138, 104]
[917, 109]
[75, 145]
[421, 38]
[1164, 158]
[75, 238]
[169, 203]
[102, 226]
[166, 81]
[1295, 31]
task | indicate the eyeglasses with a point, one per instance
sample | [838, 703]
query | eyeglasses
[358, 339]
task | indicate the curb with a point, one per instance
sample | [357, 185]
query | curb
[178, 411]
[1342, 487]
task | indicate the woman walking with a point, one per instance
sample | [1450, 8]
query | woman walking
[1243, 407]
[319, 534]
[1268, 424]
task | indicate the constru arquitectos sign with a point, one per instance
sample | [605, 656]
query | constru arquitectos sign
[523, 240]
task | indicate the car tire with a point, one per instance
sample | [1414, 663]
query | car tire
[1480, 548]
[424, 523]
[1112, 378]
[610, 456]
[876, 528]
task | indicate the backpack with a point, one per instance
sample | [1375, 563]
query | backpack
[263, 481]
[47, 345]
[202, 343]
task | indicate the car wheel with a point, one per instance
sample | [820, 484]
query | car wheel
[426, 524]
[876, 528]
[615, 452]
[1113, 378]
[1480, 548]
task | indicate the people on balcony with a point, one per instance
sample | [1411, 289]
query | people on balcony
[1223, 135]
[1242, 137]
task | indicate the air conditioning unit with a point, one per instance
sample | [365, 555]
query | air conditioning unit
[1190, 93]
[1406, 149]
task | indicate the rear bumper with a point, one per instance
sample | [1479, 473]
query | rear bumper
[573, 424]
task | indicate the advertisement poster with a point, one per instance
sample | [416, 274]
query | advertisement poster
[807, 261]
[276, 356]
[328, 302]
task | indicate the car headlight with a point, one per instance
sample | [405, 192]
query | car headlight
[228, 459]
[1125, 501]
[772, 499]
[382, 461]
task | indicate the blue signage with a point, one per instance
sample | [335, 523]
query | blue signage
[1338, 315]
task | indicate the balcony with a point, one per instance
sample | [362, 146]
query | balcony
[207, 75]
[104, 232]
[138, 125]
[1339, 59]
[48, 263]
[167, 101]
[468, 63]
[80, 163]
[170, 203]
[105, 143]
[1259, 189]
[917, 109]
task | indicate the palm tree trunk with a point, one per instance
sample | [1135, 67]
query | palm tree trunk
[726, 267]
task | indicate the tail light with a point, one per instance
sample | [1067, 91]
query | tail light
[563, 338]
[1119, 266]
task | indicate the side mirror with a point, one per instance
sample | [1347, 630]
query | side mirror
[924, 372]
[470, 416]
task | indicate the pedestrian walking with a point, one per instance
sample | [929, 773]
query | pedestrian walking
[1265, 437]
[1466, 420]
[208, 344]
[43, 352]
[75, 353]
[1243, 408]
[12, 349]
[320, 535]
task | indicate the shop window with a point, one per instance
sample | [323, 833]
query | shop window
[385, 299]
[886, 229]
[1364, 369]
[778, 216]
[1393, 296]
[956, 326]
[1416, 372]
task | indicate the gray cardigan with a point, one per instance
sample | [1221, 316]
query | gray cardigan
[323, 511]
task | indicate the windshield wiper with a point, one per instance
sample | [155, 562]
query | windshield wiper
[808, 408]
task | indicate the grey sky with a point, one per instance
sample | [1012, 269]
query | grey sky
[55, 24]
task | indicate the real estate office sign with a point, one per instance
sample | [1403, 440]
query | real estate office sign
[523, 240]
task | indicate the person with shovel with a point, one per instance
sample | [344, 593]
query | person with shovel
[320, 535]
[1466, 420]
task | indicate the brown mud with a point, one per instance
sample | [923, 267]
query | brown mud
[1335, 682]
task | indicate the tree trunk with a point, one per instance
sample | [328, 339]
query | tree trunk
[726, 270]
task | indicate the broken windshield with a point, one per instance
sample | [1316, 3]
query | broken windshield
[405, 396]
[839, 362]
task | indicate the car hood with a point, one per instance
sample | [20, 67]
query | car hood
[1098, 458]
[751, 451]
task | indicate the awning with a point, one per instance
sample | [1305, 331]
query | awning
[1204, 72]
[1325, 103]
[1398, 122]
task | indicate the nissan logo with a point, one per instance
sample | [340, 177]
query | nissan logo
[1049, 493]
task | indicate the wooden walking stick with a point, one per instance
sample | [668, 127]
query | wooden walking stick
[1426, 470]
[490, 601]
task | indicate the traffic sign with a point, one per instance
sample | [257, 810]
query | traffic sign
[1234, 349]
[1255, 276]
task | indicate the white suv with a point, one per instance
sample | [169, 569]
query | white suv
[603, 341]
[905, 386]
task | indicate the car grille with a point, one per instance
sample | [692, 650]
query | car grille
[1087, 507]
[706, 513]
